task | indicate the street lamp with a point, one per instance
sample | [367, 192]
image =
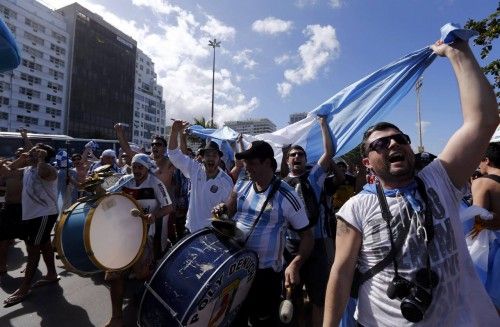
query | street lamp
[214, 44]
[418, 86]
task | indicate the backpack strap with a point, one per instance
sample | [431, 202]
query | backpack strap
[496, 178]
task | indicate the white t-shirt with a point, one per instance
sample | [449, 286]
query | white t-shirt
[205, 194]
[459, 299]
[39, 196]
[268, 236]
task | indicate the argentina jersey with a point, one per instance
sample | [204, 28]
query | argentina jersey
[268, 237]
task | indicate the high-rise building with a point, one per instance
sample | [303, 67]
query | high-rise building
[33, 96]
[102, 62]
[149, 107]
[252, 126]
[297, 117]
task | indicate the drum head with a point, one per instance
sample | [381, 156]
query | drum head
[116, 237]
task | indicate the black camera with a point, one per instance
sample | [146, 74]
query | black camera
[415, 300]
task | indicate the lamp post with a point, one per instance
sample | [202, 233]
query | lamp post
[214, 44]
[418, 87]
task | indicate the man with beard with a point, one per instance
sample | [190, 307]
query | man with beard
[309, 185]
[153, 199]
[404, 234]
[39, 213]
[209, 184]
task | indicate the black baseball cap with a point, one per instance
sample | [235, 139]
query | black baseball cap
[258, 149]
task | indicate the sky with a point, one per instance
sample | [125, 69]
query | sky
[282, 57]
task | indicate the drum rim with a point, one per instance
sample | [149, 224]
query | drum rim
[184, 315]
[58, 240]
[86, 234]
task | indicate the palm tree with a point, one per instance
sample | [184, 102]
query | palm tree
[204, 123]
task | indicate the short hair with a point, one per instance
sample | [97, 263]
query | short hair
[341, 163]
[493, 154]
[50, 151]
[161, 139]
[296, 147]
[377, 127]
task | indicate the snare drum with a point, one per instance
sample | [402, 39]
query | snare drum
[202, 282]
[100, 234]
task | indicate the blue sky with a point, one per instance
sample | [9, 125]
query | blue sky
[282, 57]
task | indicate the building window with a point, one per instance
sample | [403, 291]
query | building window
[59, 37]
[57, 61]
[34, 39]
[31, 65]
[57, 49]
[4, 100]
[28, 105]
[36, 27]
[53, 111]
[52, 124]
[27, 120]
[54, 98]
[11, 27]
[29, 92]
[54, 86]
[7, 13]
[32, 51]
[56, 74]
[4, 116]
[31, 79]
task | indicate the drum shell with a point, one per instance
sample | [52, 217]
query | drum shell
[72, 239]
[206, 274]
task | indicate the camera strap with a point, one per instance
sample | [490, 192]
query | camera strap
[396, 245]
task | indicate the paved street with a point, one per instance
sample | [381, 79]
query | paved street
[75, 301]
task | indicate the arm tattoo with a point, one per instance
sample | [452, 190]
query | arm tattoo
[342, 227]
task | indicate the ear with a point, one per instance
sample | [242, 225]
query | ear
[366, 163]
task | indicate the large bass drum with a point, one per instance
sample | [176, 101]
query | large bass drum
[100, 234]
[201, 282]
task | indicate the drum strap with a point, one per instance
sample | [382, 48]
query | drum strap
[274, 188]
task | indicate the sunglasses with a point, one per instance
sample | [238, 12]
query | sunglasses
[296, 154]
[156, 144]
[383, 142]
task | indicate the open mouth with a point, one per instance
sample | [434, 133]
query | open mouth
[396, 157]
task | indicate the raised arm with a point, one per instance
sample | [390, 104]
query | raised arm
[177, 127]
[326, 159]
[480, 113]
[183, 140]
[348, 243]
[120, 135]
[27, 143]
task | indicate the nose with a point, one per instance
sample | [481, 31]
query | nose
[392, 143]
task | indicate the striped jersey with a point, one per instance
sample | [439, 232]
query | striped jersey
[286, 209]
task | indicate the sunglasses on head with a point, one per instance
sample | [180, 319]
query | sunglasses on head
[296, 154]
[383, 142]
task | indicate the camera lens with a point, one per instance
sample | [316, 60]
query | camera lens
[398, 288]
[413, 307]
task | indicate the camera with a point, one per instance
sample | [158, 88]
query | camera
[415, 300]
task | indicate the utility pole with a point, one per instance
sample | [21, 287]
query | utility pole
[214, 44]
[418, 87]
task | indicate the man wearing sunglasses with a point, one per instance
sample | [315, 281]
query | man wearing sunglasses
[424, 230]
[309, 185]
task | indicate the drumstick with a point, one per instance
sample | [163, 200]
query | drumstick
[286, 307]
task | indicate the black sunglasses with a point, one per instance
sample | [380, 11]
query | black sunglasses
[383, 142]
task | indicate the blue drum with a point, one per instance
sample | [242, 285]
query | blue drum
[100, 234]
[201, 282]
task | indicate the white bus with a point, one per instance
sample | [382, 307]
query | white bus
[11, 141]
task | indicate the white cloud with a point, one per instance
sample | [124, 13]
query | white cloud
[217, 29]
[336, 3]
[321, 47]
[179, 48]
[272, 25]
[282, 59]
[244, 57]
[284, 89]
[425, 124]
[303, 3]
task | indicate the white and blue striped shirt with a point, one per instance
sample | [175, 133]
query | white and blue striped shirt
[268, 237]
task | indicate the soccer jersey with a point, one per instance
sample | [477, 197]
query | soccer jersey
[151, 193]
[268, 236]
[39, 196]
[205, 193]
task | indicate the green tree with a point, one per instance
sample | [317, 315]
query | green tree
[204, 123]
[489, 30]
